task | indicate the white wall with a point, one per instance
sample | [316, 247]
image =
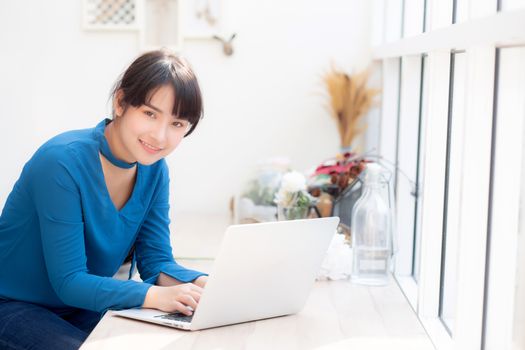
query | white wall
[265, 100]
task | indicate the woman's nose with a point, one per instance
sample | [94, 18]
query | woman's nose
[159, 133]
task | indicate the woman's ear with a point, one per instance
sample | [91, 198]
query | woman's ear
[118, 103]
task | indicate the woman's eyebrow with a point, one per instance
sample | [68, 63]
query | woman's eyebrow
[153, 107]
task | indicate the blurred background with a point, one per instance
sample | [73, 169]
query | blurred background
[265, 100]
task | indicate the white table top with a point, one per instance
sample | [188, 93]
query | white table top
[338, 315]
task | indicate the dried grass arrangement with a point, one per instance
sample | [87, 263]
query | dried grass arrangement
[350, 100]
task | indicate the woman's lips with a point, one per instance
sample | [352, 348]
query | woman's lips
[150, 148]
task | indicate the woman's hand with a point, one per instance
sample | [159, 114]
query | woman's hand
[174, 298]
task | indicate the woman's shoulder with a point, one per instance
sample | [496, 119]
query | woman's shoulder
[71, 138]
[70, 147]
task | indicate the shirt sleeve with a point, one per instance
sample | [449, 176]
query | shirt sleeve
[58, 204]
[153, 248]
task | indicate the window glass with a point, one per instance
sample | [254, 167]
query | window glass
[519, 316]
[448, 294]
[504, 313]
[407, 162]
[511, 105]
[419, 175]
[460, 11]
[413, 17]
[393, 20]
[389, 112]
[425, 15]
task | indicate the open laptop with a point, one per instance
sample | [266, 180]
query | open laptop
[262, 270]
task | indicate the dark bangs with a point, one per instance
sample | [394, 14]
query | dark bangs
[155, 69]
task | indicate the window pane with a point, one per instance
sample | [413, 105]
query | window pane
[519, 316]
[413, 17]
[504, 316]
[448, 293]
[393, 20]
[419, 175]
[407, 162]
[425, 15]
[511, 104]
[460, 11]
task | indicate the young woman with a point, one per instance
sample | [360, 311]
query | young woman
[88, 199]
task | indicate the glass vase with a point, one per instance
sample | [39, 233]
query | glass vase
[291, 212]
[371, 232]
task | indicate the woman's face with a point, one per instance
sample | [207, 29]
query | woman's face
[150, 132]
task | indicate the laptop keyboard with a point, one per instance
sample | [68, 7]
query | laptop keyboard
[177, 316]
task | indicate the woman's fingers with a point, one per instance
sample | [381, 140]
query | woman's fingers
[186, 297]
[196, 296]
[193, 290]
[180, 307]
[195, 287]
[188, 300]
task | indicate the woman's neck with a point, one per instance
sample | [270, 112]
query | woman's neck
[115, 143]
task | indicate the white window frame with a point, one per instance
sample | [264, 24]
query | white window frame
[506, 184]
[453, 181]
[408, 128]
[478, 35]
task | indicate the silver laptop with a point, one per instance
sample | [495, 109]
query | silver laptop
[262, 270]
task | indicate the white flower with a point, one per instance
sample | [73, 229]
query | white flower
[293, 182]
[283, 197]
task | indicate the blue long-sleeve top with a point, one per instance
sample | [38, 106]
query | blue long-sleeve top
[62, 239]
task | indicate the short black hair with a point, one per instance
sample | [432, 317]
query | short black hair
[155, 69]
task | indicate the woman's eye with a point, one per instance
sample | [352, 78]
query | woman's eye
[149, 113]
[178, 125]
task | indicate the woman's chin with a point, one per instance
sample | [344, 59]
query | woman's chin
[148, 159]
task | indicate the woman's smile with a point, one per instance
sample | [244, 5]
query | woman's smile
[150, 148]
